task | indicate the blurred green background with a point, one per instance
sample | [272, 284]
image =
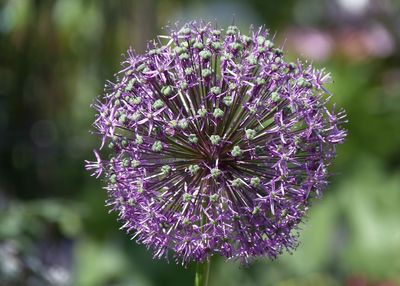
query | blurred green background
[55, 56]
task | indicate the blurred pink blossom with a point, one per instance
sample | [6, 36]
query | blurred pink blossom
[311, 43]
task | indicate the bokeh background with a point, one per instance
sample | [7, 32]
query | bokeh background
[55, 56]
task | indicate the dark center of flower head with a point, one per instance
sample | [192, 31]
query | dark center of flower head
[216, 143]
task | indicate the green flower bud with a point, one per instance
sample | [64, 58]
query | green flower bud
[185, 45]
[202, 112]
[215, 90]
[260, 81]
[236, 151]
[214, 198]
[193, 138]
[165, 169]
[216, 45]
[141, 67]
[205, 55]
[179, 50]
[113, 179]
[188, 71]
[183, 123]
[130, 85]
[227, 100]
[252, 109]
[255, 181]
[158, 104]
[218, 113]
[260, 40]
[250, 134]
[231, 30]
[187, 197]
[232, 86]
[269, 44]
[185, 31]
[139, 139]
[184, 56]
[183, 85]
[135, 163]
[166, 90]
[215, 172]
[198, 45]
[256, 210]
[247, 39]
[237, 46]
[236, 183]
[173, 123]
[215, 139]
[252, 59]
[135, 116]
[135, 100]
[122, 118]
[193, 169]
[157, 146]
[206, 72]
[226, 57]
[302, 82]
[275, 97]
[125, 162]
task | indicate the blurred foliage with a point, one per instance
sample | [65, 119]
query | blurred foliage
[55, 56]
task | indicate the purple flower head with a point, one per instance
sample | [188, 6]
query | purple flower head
[216, 144]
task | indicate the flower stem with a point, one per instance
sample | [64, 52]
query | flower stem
[202, 273]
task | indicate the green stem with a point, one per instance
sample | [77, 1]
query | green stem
[202, 273]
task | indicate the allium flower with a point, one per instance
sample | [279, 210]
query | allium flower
[216, 144]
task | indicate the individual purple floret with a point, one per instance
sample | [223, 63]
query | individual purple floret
[216, 144]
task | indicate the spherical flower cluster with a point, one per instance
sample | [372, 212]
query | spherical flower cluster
[216, 144]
